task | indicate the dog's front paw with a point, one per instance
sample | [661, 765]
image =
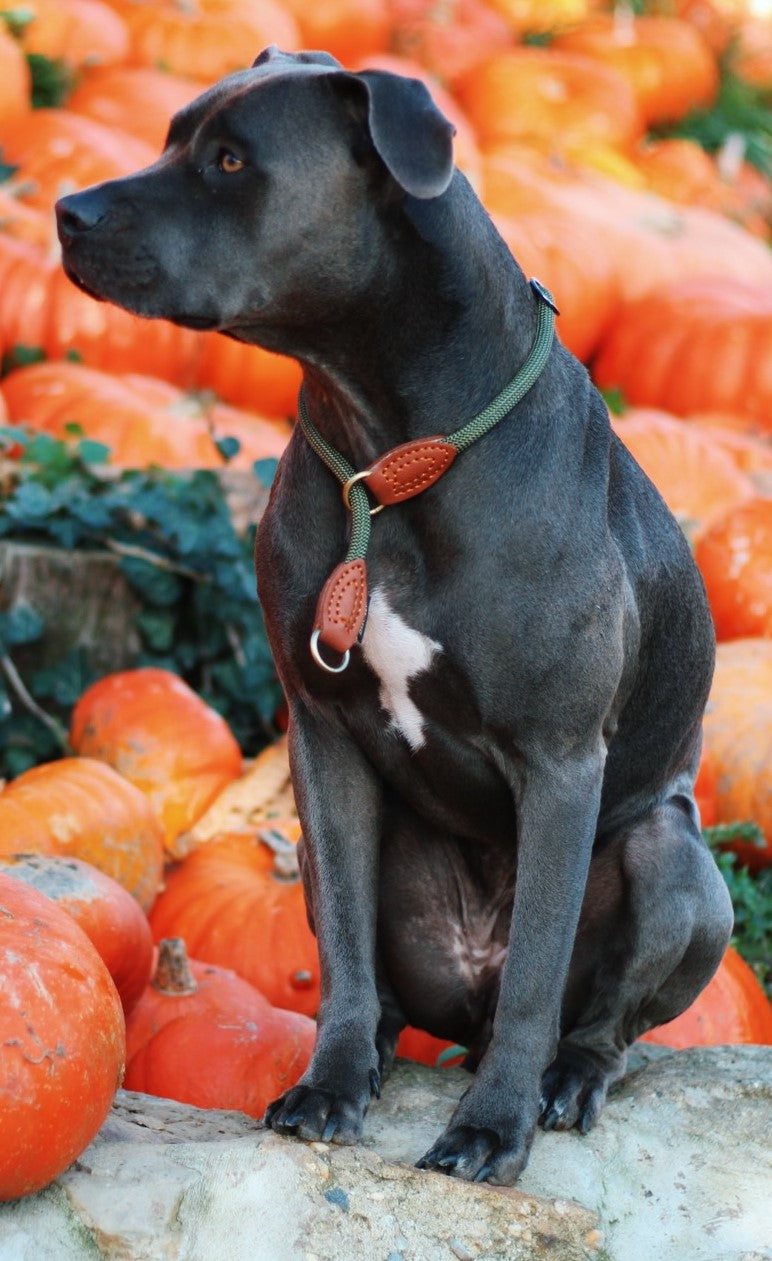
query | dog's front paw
[479, 1154]
[315, 1112]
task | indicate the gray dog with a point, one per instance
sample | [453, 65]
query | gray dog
[494, 742]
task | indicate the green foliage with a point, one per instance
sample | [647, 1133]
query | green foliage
[740, 110]
[52, 81]
[179, 552]
[751, 896]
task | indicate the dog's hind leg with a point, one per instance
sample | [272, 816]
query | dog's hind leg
[655, 921]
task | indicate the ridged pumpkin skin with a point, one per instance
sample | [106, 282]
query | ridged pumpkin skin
[732, 1008]
[694, 345]
[81, 808]
[735, 559]
[203, 1035]
[162, 737]
[696, 477]
[235, 909]
[62, 1040]
[111, 918]
[738, 736]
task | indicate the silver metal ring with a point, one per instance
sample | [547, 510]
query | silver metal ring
[319, 659]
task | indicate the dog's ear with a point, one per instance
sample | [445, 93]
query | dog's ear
[410, 135]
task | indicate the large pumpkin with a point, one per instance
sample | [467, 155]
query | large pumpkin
[143, 420]
[62, 1040]
[696, 477]
[162, 737]
[111, 918]
[81, 808]
[732, 1008]
[735, 559]
[738, 736]
[668, 64]
[695, 345]
[238, 902]
[204, 1036]
[554, 99]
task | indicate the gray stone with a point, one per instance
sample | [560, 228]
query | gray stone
[677, 1169]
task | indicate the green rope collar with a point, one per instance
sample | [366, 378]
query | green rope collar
[400, 474]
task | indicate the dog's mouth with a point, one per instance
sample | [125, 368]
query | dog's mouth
[198, 322]
[80, 283]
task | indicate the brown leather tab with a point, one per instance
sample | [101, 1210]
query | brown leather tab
[342, 605]
[408, 469]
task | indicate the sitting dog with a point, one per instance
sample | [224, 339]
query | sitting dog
[495, 686]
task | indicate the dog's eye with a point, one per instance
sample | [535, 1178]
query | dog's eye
[228, 163]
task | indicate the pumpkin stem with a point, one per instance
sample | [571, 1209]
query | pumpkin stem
[173, 974]
[285, 857]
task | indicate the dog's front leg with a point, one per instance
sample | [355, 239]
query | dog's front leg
[490, 1132]
[339, 803]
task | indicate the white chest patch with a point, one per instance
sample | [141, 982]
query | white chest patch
[397, 654]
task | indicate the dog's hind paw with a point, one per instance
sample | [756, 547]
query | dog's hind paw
[574, 1088]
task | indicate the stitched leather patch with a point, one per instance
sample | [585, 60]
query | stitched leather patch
[408, 469]
[342, 605]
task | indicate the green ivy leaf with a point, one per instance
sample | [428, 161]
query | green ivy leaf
[157, 628]
[154, 584]
[21, 624]
[265, 470]
[228, 447]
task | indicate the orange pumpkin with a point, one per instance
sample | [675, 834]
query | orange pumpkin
[111, 918]
[666, 61]
[161, 737]
[551, 98]
[735, 559]
[681, 170]
[205, 39]
[57, 151]
[81, 808]
[448, 39]
[416, 1044]
[238, 902]
[698, 480]
[249, 376]
[204, 1036]
[78, 32]
[738, 736]
[732, 1008]
[658, 347]
[15, 79]
[42, 308]
[141, 419]
[137, 100]
[345, 28]
[62, 1040]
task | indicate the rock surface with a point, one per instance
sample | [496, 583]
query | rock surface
[677, 1169]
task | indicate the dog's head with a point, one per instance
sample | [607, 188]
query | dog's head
[268, 203]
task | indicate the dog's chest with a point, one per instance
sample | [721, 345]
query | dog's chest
[398, 654]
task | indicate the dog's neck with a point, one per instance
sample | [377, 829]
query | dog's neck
[439, 298]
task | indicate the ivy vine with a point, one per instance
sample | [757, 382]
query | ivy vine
[178, 550]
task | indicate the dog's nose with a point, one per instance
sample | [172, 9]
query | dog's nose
[78, 213]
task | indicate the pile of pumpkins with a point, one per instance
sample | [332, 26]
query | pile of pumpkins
[151, 911]
[152, 924]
